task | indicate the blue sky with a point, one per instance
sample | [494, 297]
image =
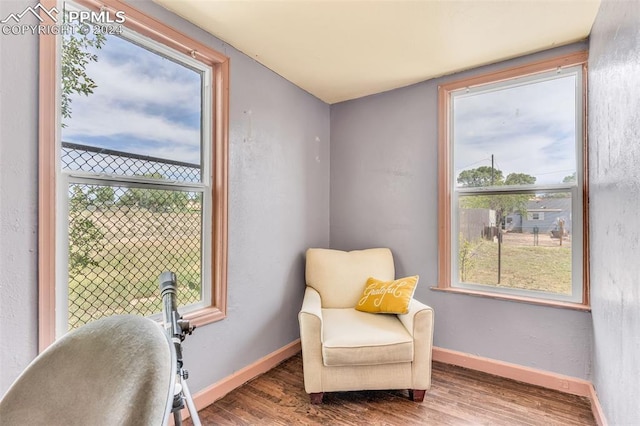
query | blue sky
[144, 104]
[529, 129]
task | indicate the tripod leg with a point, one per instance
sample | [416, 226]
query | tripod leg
[190, 405]
[177, 418]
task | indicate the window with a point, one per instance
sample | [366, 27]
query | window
[535, 215]
[137, 142]
[512, 184]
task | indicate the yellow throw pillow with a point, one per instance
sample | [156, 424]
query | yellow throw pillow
[387, 297]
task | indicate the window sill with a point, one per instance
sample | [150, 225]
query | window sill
[520, 299]
[204, 316]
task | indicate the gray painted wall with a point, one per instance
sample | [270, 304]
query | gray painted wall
[279, 206]
[384, 174]
[18, 200]
[614, 134]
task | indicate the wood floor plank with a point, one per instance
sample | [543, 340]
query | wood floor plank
[458, 396]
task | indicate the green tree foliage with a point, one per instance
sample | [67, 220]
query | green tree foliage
[569, 179]
[76, 55]
[155, 200]
[481, 176]
[102, 196]
[85, 237]
[503, 204]
[519, 179]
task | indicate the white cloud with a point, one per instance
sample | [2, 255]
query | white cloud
[91, 119]
[529, 129]
[144, 103]
[126, 82]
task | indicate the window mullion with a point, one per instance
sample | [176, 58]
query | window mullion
[515, 189]
[129, 182]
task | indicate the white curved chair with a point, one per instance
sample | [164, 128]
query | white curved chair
[118, 370]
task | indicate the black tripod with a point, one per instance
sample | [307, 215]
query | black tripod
[178, 329]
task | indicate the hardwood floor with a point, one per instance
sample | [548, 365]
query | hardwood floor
[458, 396]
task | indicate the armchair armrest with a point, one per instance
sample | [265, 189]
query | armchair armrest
[310, 319]
[311, 304]
[419, 323]
[419, 317]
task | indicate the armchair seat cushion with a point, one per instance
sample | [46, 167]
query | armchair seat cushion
[351, 337]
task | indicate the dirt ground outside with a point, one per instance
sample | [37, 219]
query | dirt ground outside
[544, 240]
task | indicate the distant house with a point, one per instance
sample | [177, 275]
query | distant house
[544, 214]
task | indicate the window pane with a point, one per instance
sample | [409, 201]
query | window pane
[128, 100]
[516, 134]
[121, 240]
[516, 241]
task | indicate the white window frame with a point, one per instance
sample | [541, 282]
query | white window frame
[450, 193]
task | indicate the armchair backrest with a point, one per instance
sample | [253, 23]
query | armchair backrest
[340, 276]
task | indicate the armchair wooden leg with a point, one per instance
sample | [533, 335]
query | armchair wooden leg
[417, 395]
[316, 398]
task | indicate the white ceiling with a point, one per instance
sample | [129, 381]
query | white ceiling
[344, 49]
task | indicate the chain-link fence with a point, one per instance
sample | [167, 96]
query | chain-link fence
[122, 238]
[86, 158]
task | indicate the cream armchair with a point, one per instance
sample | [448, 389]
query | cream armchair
[344, 349]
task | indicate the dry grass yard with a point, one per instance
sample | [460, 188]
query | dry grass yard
[543, 267]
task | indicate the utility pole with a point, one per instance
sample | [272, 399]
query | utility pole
[498, 226]
[499, 219]
[492, 170]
